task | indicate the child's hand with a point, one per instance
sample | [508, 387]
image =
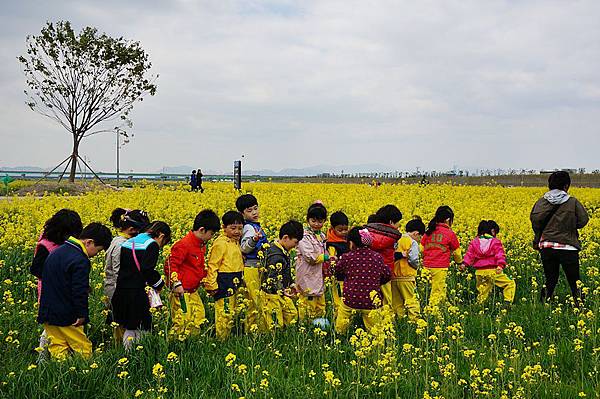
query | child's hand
[212, 292]
[79, 322]
[178, 291]
[462, 267]
[499, 270]
[333, 258]
[257, 236]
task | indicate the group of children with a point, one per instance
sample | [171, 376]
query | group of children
[248, 276]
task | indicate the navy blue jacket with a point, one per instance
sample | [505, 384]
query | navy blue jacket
[65, 286]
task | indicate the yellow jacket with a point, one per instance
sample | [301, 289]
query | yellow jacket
[225, 262]
[403, 270]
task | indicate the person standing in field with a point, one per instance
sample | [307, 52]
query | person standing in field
[184, 272]
[225, 274]
[556, 219]
[63, 308]
[309, 265]
[137, 273]
[486, 255]
[128, 223]
[406, 264]
[337, 245]
[253, 238]
[199, 176]
[277, 284]
[385, 238]
[440, 244]
[364, 273]
[194, 181]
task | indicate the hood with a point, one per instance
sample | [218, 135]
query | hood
[484, 245]
[557, 197]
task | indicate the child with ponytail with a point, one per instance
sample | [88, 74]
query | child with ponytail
[364, 273]
[439, 245]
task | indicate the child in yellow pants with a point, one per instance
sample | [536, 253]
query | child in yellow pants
[188, 321]
[63, 340]
[486, 254]
[311, 306]
[225, 272]
[277, 284]
[345, 314]
[336, 245]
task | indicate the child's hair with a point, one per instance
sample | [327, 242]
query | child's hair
[207, 219]
[157, 228]
[232, 217]
[316, 211]
[416, 224]
[441, 214]
[123, 219]
[359, 236]
[338, 218]
[372, 219]
[62, 225]
[193, 172]
[292, 229]
[97, 232]
[484, 228]
[388, 213]
[559, 180]
[494, 227]
[245, 201]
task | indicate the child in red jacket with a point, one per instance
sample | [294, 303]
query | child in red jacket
[184, 271]
[383, 227]
[486, 256]
[439, 245]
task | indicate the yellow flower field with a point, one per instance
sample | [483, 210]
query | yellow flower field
[529, 350]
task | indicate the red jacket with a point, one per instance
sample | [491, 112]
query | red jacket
[187, 261]
[439, 246]
[485, 253]
[385, 237]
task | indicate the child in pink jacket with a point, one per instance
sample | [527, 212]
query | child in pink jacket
[309, 265]
[486, 256]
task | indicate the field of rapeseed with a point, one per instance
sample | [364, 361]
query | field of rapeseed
[528, 351]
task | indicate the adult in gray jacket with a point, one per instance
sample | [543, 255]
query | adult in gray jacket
[556, 219]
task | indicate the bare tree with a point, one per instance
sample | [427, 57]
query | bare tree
[85, 81]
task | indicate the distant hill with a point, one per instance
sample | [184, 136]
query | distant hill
[308, 171]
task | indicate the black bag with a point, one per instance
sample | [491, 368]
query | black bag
[538, 236]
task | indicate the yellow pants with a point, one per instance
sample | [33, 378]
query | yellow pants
[118, 332]
[438, 286]
[225, 312]
[252, 294]
[190, 322]
[311, 306]
[337, 291]
[386, 290]
[346, 313]
[487, 279]
[278, 311]
[64, 340]
[404, 299]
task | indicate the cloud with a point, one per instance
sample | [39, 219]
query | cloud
[291, 84]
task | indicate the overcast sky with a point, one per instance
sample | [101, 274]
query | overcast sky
[433, 84]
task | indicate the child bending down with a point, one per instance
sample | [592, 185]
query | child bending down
[364, 272]
[486, 256]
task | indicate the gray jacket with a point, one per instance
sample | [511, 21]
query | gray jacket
[112, 265]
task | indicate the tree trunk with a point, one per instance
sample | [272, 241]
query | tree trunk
[74, 159]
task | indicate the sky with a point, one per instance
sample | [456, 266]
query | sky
[291, 84]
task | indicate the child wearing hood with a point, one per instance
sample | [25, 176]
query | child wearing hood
[486, 256]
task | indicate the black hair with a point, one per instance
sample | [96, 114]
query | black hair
[245, 201]
[97, 232]
[232, 217]
[338, 218]
[494, 226]
[355, 238]
[316, 211]
[441, 214]
[416, 224]
[559, 180]
[292, 229]
[62, 225]
[207, 219]
[194, 172]
[389, 213]
[157, 228]
[372, 219]
[484, 228]
[123, 219]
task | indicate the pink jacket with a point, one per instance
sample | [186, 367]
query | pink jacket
[309, 263]
[485, 253]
